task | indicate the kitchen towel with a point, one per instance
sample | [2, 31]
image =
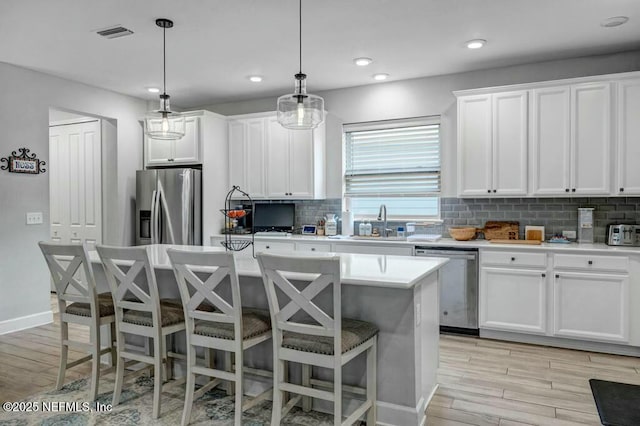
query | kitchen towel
[347, 223]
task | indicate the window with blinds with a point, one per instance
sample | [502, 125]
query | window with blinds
[397, 165]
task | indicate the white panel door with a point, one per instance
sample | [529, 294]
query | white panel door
[278, 160]
[237, 154]
[301, 167]
[75, 186]
[510, 143]
[590, 138]
[255, 152]
[187, 149]
[551, 141]
[513, 300]
[474, 146]
[591, 306]
[628, 177]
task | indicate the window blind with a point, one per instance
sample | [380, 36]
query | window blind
[396, 162]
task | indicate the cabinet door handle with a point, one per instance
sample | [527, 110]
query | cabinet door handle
[513, 259]
[557, 275]
[573, 190]
[621, 189]
[313, 249]
[566, 190]
[590, 262]
[494, 190]
[489, 191]
[169, 159]
[544, 275]
[267, 247]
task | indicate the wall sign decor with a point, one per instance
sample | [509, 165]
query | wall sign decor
[23, 163]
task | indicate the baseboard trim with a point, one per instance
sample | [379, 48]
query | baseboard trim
[28, 321]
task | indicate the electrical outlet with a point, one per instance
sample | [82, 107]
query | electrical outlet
[569, 234]
[34, 218]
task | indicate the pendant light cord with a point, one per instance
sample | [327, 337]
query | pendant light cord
[300, 32]
[164, 60]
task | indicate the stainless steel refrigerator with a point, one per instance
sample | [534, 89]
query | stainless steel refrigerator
[169, 206]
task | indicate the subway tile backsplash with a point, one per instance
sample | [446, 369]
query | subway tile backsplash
[555, 214]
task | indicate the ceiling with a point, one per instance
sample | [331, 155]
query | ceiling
[216, 45]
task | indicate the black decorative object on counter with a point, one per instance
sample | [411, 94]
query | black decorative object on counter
[231, 242]
[23, 163]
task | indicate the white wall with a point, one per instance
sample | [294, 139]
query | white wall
[433, 96]
[24, 119]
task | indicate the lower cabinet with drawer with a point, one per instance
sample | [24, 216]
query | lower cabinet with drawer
[274, 246]
[566, 295]
[313, 247]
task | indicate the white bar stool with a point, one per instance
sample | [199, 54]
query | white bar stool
[325, 340]
[75, 284]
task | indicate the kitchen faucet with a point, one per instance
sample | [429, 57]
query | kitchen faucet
[382, 215]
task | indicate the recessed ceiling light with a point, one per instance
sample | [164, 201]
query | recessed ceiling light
[153, 90]
[362, 62]
[476, 44]
[380, 76]
[614, 21]
[255, 78]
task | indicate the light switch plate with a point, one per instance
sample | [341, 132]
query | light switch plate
[34, 218]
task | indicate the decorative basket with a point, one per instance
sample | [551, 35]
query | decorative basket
[236, 245]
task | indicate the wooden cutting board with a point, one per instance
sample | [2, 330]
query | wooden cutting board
[527, 242]
[501, 230]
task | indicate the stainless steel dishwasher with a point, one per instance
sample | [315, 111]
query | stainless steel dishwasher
[458, 288]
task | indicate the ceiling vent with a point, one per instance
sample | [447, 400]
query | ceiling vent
[114, 32]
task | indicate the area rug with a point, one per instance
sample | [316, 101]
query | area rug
[214, 408]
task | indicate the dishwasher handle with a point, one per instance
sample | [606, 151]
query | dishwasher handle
[446, 253]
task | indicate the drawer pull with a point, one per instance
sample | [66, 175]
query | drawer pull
[313, 249]
[268, 247]
[566, 190]
[557, 275]
[573, 190]
[590, 262]
[489, 191]
[544, 275]
[621, 189]
[513, 259]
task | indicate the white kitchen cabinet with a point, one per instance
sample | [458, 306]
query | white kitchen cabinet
[628, 135]
[492, 144]
[246, 155]
[313, 247]
[551, 141]
[591, 306]
[590, 138]
[571, 140]
[513, 300]
[268, 161]
[186, 150]
[274, 246]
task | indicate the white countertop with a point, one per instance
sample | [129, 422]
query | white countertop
[449, 242]
[402, 272]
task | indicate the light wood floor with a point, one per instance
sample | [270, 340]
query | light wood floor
[482, 382]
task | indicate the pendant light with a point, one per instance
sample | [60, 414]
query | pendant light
[301, 110]
[164, 124]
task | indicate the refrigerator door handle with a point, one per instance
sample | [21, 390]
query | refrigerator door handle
[154, 217]
[165, 211]
[186, 203]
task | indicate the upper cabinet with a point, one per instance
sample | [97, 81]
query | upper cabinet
[628, 137]
[492, 144]
[268, 161]
[550, 138]
[187, 150]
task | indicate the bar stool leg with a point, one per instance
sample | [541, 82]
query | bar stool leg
[337, 392]
[191, 382]
[278, 377]
[95, 361]
[306, 381]
[157, 374]
[372, 359]
[64, 352]
[113, 340]
[228, 363]
[239, 388]
[119, 370]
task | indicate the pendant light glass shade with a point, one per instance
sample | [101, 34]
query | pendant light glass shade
[300, 110]
[164, 124]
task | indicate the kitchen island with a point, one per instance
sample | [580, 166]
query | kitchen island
[398, 294]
